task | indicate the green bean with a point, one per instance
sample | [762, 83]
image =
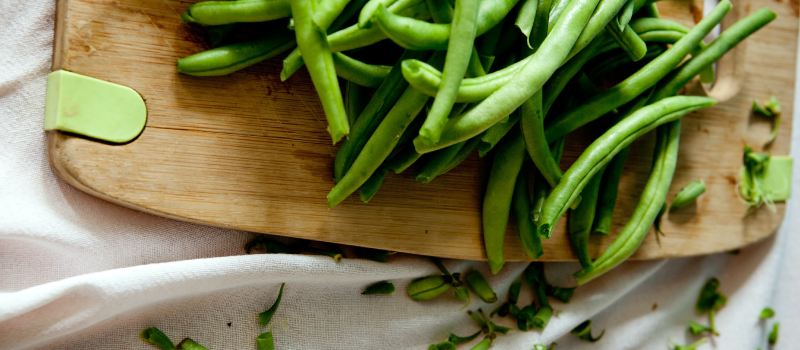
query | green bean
[484, 344]
[459, 48]
[624, 16]
[539, 29]
[612, 63]
[403, 160]
[384, 288]
[558, 7]
[189, 344]
[600, 152]
[371, 186]
[353, 6]
[634, 85]
[606, 11]
[327, 12]
[265, 341]
[649, 11]
[225, 12]
[499, 192]
[218, 34]
[438, 161]
[540, 186]
[607, 197]
[688, 194]
[382, 101]
[628, 40]
[365, 17]
[528, 80]
[319, 60]
[427, 288]
[526, 17]
[419, 35]
[156, 337]
[356, 98]
[230, 58]
[491, 137]
[361, 73]
[713, 52]
[580, 220]
[266, 316]
[657, 222]
[462, 154]
[642, 25]
[354, 37]
[653, 196]
[534, 274]
[553, 87]
[521, 203]
[478, 284]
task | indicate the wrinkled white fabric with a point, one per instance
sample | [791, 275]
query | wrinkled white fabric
[80, 273]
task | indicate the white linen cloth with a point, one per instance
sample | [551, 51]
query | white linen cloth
[80, 273]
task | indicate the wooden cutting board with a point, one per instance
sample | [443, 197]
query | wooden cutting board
[249, 152]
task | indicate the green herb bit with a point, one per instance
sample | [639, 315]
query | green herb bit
[710, 300]
[563, 295]
[692, 346]
[265, 342]
[458, 340]
[688, 194]
[767, 313]
[189, 344]
[384, 288]
[697, 328]
[584, 332]
[771, 109]
[539, 347]
[445, 345]
[478, 284]
[266, 316]
[427, 288]
[525, 318]
[773, 336]
[513, 292]
[156, 337]
[374, 254]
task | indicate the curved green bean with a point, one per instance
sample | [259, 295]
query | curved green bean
[581, 219]
[478, 284]
[462, 154]
[441, 11]
[493, 135]
[227, 59]
[600, 152]
[419, 35]
[540, 186]
[553, 13]
[499, 192]
[327, 12]
[521, 203]
[382, 101]
[371, 186]
[607, 197]
[653, 196]
[528, 80]
[459, 49]
[606, 11]
[358, 72]
[319, 60]
[224, 12]
[365, 17]
[437, 162]
[628, 41]
[637, 83]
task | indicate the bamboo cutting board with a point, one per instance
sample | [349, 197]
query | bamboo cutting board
[249, 152]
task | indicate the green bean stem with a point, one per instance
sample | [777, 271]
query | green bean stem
[521, 203]
[653, 196]
[528, 80]
[499, 192]
[382, 101]
[637, 83]
[225, 12]
[319, 60]
[600, 152]
[688, 194]
[371, 186]
[580, 220]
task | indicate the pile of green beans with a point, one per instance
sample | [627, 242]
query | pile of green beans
[510, 78]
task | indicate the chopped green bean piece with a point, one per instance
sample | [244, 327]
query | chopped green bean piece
[156, 337]
[692, 346]
[697, 328]
[584, 332]
[426, 288]
[688, 194]
[265, 341]
[384, 288]
[773, 336]
[478, 284]
[767, 313]
[189, 344]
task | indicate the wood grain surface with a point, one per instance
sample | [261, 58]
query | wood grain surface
[249, 152]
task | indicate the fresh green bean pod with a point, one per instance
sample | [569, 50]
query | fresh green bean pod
[526, 17]
[156, 337]
[634, 85]
[553, 14]
[607, 196]
[437, 162]
[521, 203]
[499, 192]
[462, 154]
[420, 35]
[319, 60]
[230, 58]
[478, 284]
[600, 152]
[527, 81]
[441, 11]
[688, 194]
[628, 41]
[216, 13]
[459, 49]
[369, 75]
[356, 98]
[553, 87]
[189, 344]
[484, 344]
[606, 11]
[365, 17]
[376, 110]
[647, 24]
[540, 186]
[581, 219]
[327, 12]
[491, 137]
[653, 196]
[737, 32]
[610, 64]
[427, 288]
